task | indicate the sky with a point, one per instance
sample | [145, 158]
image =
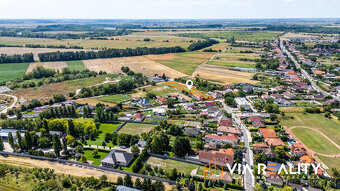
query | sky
[168, 9]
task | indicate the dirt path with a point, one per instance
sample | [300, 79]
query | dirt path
[196, 70]
[15, 100]
[289, 130]
[73, 170]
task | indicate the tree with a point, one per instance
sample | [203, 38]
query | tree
[158, 186]
[128, 181]
[29, 140]
[11, 140]
[138, 184]
[18, 114]
[1, 144]
[70, 128]
[70, 139]
[83, 158]
[120, 181]
[273, 117]
[146, 184]
[181, 146]
[56, 145]
[135, 150]
[280, 152]
[225, 186]
[19, 139]
[95, 152]
[170, 102]
[173, 174]
[191, 186]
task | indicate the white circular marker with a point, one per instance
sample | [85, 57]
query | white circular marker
[189, 84]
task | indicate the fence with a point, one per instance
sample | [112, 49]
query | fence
[89, 165]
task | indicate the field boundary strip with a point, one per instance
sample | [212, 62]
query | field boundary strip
[193, 90]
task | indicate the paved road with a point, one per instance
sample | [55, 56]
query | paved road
[249, 179]
[305, 74]
[12, 105]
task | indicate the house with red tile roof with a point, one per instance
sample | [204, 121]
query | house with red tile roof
[268, 133]
[162, 100]
[274, 142]
[222, 158]
[225, 122]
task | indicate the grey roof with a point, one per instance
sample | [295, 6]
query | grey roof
[115, 156]
[4, 132]
[144, 102]
[125, 188]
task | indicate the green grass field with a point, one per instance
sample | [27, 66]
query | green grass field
[12, 71]
[136, 128]
[232, 64]
[115, 98]
[186, 62]
[161, 90]
[331, 162]
[95, 159]
[315, 141]
[76, 65]
[168, 165]
[329, 127]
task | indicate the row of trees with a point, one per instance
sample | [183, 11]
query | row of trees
[109, 53]
[53, 46]
[16, 58]
[201, 44]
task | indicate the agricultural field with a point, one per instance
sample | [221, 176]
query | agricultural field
[12, 71]
[238, 35]
[184, 62]
[136, 128]
[115, 98]
[77, 65]
[168, 165]
[232, 64]
[330, 127]
[133, 40]
[35, 51]
[315, 141]
[46, 91]
[222, 75]
[57, 66]
[161, 90]
[137, 64]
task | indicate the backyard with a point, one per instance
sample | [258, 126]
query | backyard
[95, 159]
[136, 128]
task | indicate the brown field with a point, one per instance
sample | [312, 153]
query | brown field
[49, 65]
[137, 64]
[35, 51]
[93, 102]
[223, 75]
[161, 56]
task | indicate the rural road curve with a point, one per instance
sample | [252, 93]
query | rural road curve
[330, 140]
[12, 105]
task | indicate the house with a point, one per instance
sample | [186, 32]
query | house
[306, 160]
[211, 146]
[242, 103]
[144, 103]
[258, 124]
[4, 133]
[275, 96]
[273, 167]
[274, 179]
[159, 111]
[298, 151]
[313, 189]
[268, 133]
[227, 122]
[274, 142]
[141, 144]
[191, 132]
[210, 104]
[229, 130]
[319, 97]
[269, 152]
[190, 106]
[223, 139]
[125, 188]
[296, 187]
[260, 147]
[162, 100]
[283, 102]
[117, 157]
[289, 95]
[221, 158]
[139, 117]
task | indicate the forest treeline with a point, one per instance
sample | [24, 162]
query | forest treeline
[16, 58]
[109, 53]
[201, 44]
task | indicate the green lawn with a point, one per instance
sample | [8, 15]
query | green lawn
[331, 162]
[168, 165]
[96, 159]
[80, 83]
[315, 141]
[115, 98]
[136, 128]
[186, 62]
[329, 127]
[161, 90]
[12, 71]
[232, 64]
[76, 65]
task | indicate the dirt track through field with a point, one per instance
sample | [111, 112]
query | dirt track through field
[137, 64]
[289, 130]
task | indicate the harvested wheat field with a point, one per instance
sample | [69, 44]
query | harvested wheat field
[49, 65]
[137, 64]
[223, 75]
[35, 51]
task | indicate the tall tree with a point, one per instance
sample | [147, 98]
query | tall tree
[1, 144]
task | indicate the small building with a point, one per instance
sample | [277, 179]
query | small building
[274, 179]
[159, 111]
[117, 157]
[242, 103]
[144, 103]
[4, 133]
[191, 132]
[139, 117]
[125, 188]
